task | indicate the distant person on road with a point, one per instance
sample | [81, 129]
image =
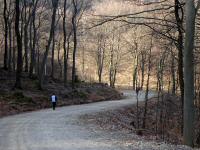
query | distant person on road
[54, 100]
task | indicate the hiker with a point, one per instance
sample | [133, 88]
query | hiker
[54, 100]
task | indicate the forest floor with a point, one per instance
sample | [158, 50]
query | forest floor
[30, 98]
[166, 128]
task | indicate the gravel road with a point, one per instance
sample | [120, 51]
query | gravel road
[59, 129]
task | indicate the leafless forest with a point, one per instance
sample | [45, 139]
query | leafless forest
[135, 44]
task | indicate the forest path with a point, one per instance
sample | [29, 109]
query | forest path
[59, 129]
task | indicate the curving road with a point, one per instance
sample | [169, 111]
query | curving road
[59, 129]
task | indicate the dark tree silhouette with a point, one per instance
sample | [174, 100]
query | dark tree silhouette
[19, 46]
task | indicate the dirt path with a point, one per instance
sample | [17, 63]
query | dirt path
[59, 130]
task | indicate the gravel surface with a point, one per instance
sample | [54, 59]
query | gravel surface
[62, 130]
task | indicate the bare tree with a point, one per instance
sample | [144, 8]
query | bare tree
[115, 57]
[147, 87]
[64, 44]
[5, 36]
[41, 78]
[179, 15]
[191, 12]
[100, 55]
[27, 18]
[66, 40]
[74, 26]
[11, 14]
[19, 45]
[33, 48]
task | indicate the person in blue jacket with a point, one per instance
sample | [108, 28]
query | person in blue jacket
[54, 101]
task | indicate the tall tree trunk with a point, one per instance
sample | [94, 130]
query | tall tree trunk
[100, 57]
[67, 55]
[64, 44]
[179, 21]
[26, 37]
[137, 109]
[111, 65]
[19, 46]
[83, 63]
[41, 77]
[38, 59]
[111, 68]
[173, 75]
[10, 47]
[33, 51]
[135, 67]
[188, 133]
[5, 36]
[115, 76]
[60, 61]
[147, 88]
[142, 70]
[52, 57]
[14, 52]
[31, 48]
[75, 43]
[159, 78]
